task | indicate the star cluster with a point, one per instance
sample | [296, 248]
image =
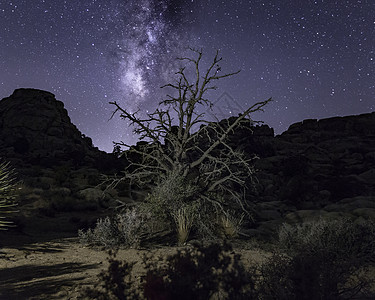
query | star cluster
[315, 58]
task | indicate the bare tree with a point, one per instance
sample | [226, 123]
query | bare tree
[192, 165]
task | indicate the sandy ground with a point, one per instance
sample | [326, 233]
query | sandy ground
[54, 265]
[45, 260]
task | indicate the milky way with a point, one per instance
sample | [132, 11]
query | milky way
[315, 58]
[151, 38]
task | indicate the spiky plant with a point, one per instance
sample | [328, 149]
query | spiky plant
[231, 224]
[7, 188]
[184, 218]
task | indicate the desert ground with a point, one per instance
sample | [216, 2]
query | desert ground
[40, 262]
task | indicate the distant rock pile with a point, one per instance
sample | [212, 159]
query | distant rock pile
[316, 168]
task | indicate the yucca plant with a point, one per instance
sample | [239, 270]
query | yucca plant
[7, 188]
[184, 218]
[231, 224]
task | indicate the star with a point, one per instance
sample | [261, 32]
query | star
[315, 58]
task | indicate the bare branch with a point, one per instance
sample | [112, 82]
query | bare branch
[205, 160]
[256, 107]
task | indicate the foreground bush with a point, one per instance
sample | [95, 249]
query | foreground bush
[321, 260]
[316, 260]
[194, 273]
[115, 283]
[173, 204]
[200, 273]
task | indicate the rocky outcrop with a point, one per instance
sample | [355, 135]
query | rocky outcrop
[321, 160]
[35, 128]
[58, 168]
[317, 167]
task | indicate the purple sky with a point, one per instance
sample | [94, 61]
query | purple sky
[315, 58]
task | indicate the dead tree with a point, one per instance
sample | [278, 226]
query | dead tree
[211, 170]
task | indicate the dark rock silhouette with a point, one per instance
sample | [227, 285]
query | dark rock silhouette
[35, 128]
[315, 160]
[57, 166]
[316, 168]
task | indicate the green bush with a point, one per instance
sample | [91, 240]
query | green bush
[7, 194]
[321, 260]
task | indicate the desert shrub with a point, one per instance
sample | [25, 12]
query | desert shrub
[173, 203]
[126, 229]
[321, 260]
[200, 272]
[169, 194]
[133, 226]
[178, 205]
[316, 260]
[115, 283]
[7, 194]
[338, 238]
[103, 234]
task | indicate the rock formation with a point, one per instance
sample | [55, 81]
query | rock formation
[58, 167]
[326, 160]
[316, 168]
[35, 128]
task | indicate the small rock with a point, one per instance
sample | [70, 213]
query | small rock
[304, 215]
[269, 215]
[367, 213]
[91, 194]
[368, 176]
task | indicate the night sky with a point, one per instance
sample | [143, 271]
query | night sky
[315, 58]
